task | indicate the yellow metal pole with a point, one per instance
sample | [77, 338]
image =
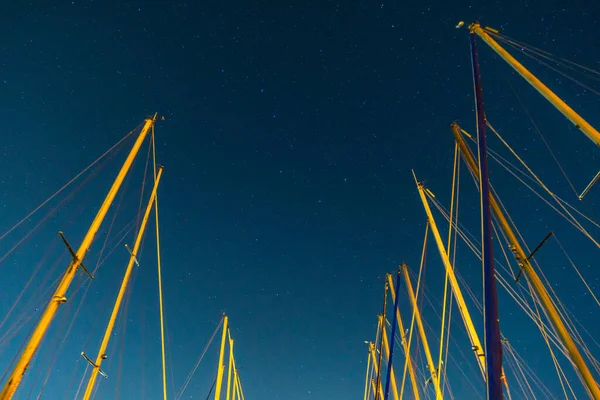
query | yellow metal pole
[430, 363]
[235, 394]
[239, 388]
[534, 279]
[59, 295]
[387, 356]
[460, 301]
[411, 370]
[159, 273]
[221, 355]
[228, 393]
[367, 375]
[113, 317]
[376, 369]
[560, 105]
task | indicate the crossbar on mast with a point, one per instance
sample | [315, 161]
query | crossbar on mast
[532, 276]
[58, 297]
[113, 317]
[556, 101]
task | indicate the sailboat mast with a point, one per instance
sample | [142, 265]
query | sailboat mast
[492, 342]
[576, 119]
[383, 319]
[59, 295]
[159, 273]
[411, 370]
[228, 392]
[430, 364]
[391, 376]
[534, 279]
[113, 317]
[460, 300]
[390, 349]
[376, 384]
[221, 356]
[367, 375]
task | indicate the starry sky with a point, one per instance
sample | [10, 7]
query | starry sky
[290, 132]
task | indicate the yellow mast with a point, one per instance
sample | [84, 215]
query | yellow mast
[534, 279]
[235, 394]
[228, 393]
[430, 364]
[375, 369]
[59, 295]
[221, 355]
[113, 317]
[159, 273]
[460, 301]
[411, 370]
[386, 346]
[367, 374]
[560, 105]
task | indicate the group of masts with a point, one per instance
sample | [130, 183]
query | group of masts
[489, 357]
[234, 390]
[59, 296]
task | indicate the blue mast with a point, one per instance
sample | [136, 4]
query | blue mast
[493, 346]
[392, 338]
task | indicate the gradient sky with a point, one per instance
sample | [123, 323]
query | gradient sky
[290, 131]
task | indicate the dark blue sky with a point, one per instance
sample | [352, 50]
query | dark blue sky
[291, 128]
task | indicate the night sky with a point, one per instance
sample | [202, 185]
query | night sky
[290, 132]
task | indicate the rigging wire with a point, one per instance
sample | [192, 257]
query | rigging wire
[82, 379]
[531, 54]
[46, 217]
[537, 129]
[32, 306]
[546, 54]
[50, 247]
[68, 183]
[577, 270]
[505, 163]
[574, 220]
